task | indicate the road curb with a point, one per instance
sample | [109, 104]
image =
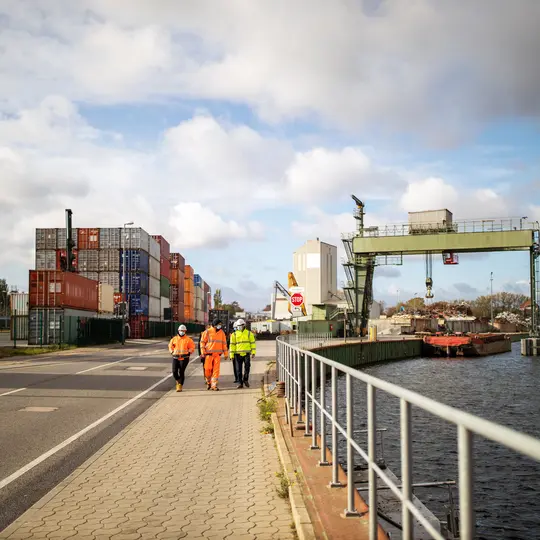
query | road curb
[19, 522]
[302, 521]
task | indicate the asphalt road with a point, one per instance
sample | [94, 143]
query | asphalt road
[45, 404]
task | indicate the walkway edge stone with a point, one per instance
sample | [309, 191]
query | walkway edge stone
[302, 520]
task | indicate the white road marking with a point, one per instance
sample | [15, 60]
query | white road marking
[73, 438]
[104, 365]
[36, 365]
[12, 392]
[38, 409]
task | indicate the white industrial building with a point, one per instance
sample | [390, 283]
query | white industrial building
[315, 269]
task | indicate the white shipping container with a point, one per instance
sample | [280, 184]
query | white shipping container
[45, 238]
[61, 240]
[199, 316]
[109, 260]
[154, 306]
[154, 248]
[432, 217]
[110, 278]
[105, 298]
[136, 238]
[154, 287]
[45, 259]
[165, 303]
[19, 302]
[109, 238]
[154, 268]
[94, 276]
[88, 260]
[266, 326]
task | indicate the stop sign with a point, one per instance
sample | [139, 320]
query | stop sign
[297, 299]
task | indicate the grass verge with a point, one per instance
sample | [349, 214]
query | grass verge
[267, 406]
[8, 352]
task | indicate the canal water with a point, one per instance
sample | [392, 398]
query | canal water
[503, 388]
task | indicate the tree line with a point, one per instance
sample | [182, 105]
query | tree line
[232, 308]
[479, 307]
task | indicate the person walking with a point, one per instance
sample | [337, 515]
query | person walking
[242, 350]
[235, 370]
[213, 345]
[199, 345]
[181, 347]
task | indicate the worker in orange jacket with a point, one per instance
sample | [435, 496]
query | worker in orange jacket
[207, 327]
[181, 347]
[213, 345]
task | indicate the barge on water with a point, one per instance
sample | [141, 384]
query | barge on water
[467, 345]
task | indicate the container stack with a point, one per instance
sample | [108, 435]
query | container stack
[199, 298]
[136, 258]
[110, 249]
[165, 274]
[51, 247]
[207, 301]
[154, 285]
[176, 291]
[189, 294]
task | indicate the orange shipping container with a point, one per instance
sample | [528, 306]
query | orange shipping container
[88, 238]
[188, 313]
[189, 272]
[51, 288]
[177, 277]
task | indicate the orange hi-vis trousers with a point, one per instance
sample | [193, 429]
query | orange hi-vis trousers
[212, 363]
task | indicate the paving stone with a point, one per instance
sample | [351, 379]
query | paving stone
[198, 467]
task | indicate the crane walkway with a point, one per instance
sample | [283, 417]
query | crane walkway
[195, 465]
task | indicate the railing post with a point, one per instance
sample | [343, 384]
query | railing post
[466, 508]
[296, 389]
[351, 509]
[372, 456]
[323, 461]
[298, 356]
[306, 384]
[287, 375]
[406, 469]
[314, 445]
[335, 466]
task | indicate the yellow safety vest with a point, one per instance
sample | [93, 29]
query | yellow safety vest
[242, 343]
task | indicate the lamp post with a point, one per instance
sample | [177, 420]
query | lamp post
[491, 298]
[124, 280]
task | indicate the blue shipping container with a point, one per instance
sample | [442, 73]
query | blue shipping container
[138, 304]
[137, 260]
[136, 283]
[197, 280]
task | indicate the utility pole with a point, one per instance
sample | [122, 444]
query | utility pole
[491, 298]
[124, 281]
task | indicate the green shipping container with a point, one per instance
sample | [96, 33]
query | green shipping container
[164, 287]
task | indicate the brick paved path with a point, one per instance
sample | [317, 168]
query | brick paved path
[194, 466]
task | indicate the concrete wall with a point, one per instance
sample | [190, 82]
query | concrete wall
[357, 355]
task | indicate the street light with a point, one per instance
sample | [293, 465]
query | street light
[124, 279]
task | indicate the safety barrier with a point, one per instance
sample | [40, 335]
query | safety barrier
[304, 372]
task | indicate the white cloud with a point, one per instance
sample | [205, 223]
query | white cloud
[393, 66]
[468, 202]
[195, 226]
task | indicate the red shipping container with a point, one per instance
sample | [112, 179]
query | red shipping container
[63, 253]
[88, 238]
[51, 288]
[178, 312]
[165, 267]
[178, 262]
[164, 246]
[138, 326]
[117, 297]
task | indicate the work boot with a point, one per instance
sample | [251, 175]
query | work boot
[246, 384]
[240, 386]
[216, 389]
[178, 387]
[208, 386]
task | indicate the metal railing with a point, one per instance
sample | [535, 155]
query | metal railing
[457, 226]
[307, 341]
[296, 365]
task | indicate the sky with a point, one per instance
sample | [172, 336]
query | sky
[240, 133]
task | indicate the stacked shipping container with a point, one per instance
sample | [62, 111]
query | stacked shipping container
[155, 280]
[176, 291]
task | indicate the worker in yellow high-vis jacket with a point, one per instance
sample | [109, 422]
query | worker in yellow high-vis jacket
[242, 349]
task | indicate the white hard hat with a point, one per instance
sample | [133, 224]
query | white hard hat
[182, 327]
[240, 322]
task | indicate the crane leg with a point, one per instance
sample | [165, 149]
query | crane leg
[429, 274]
